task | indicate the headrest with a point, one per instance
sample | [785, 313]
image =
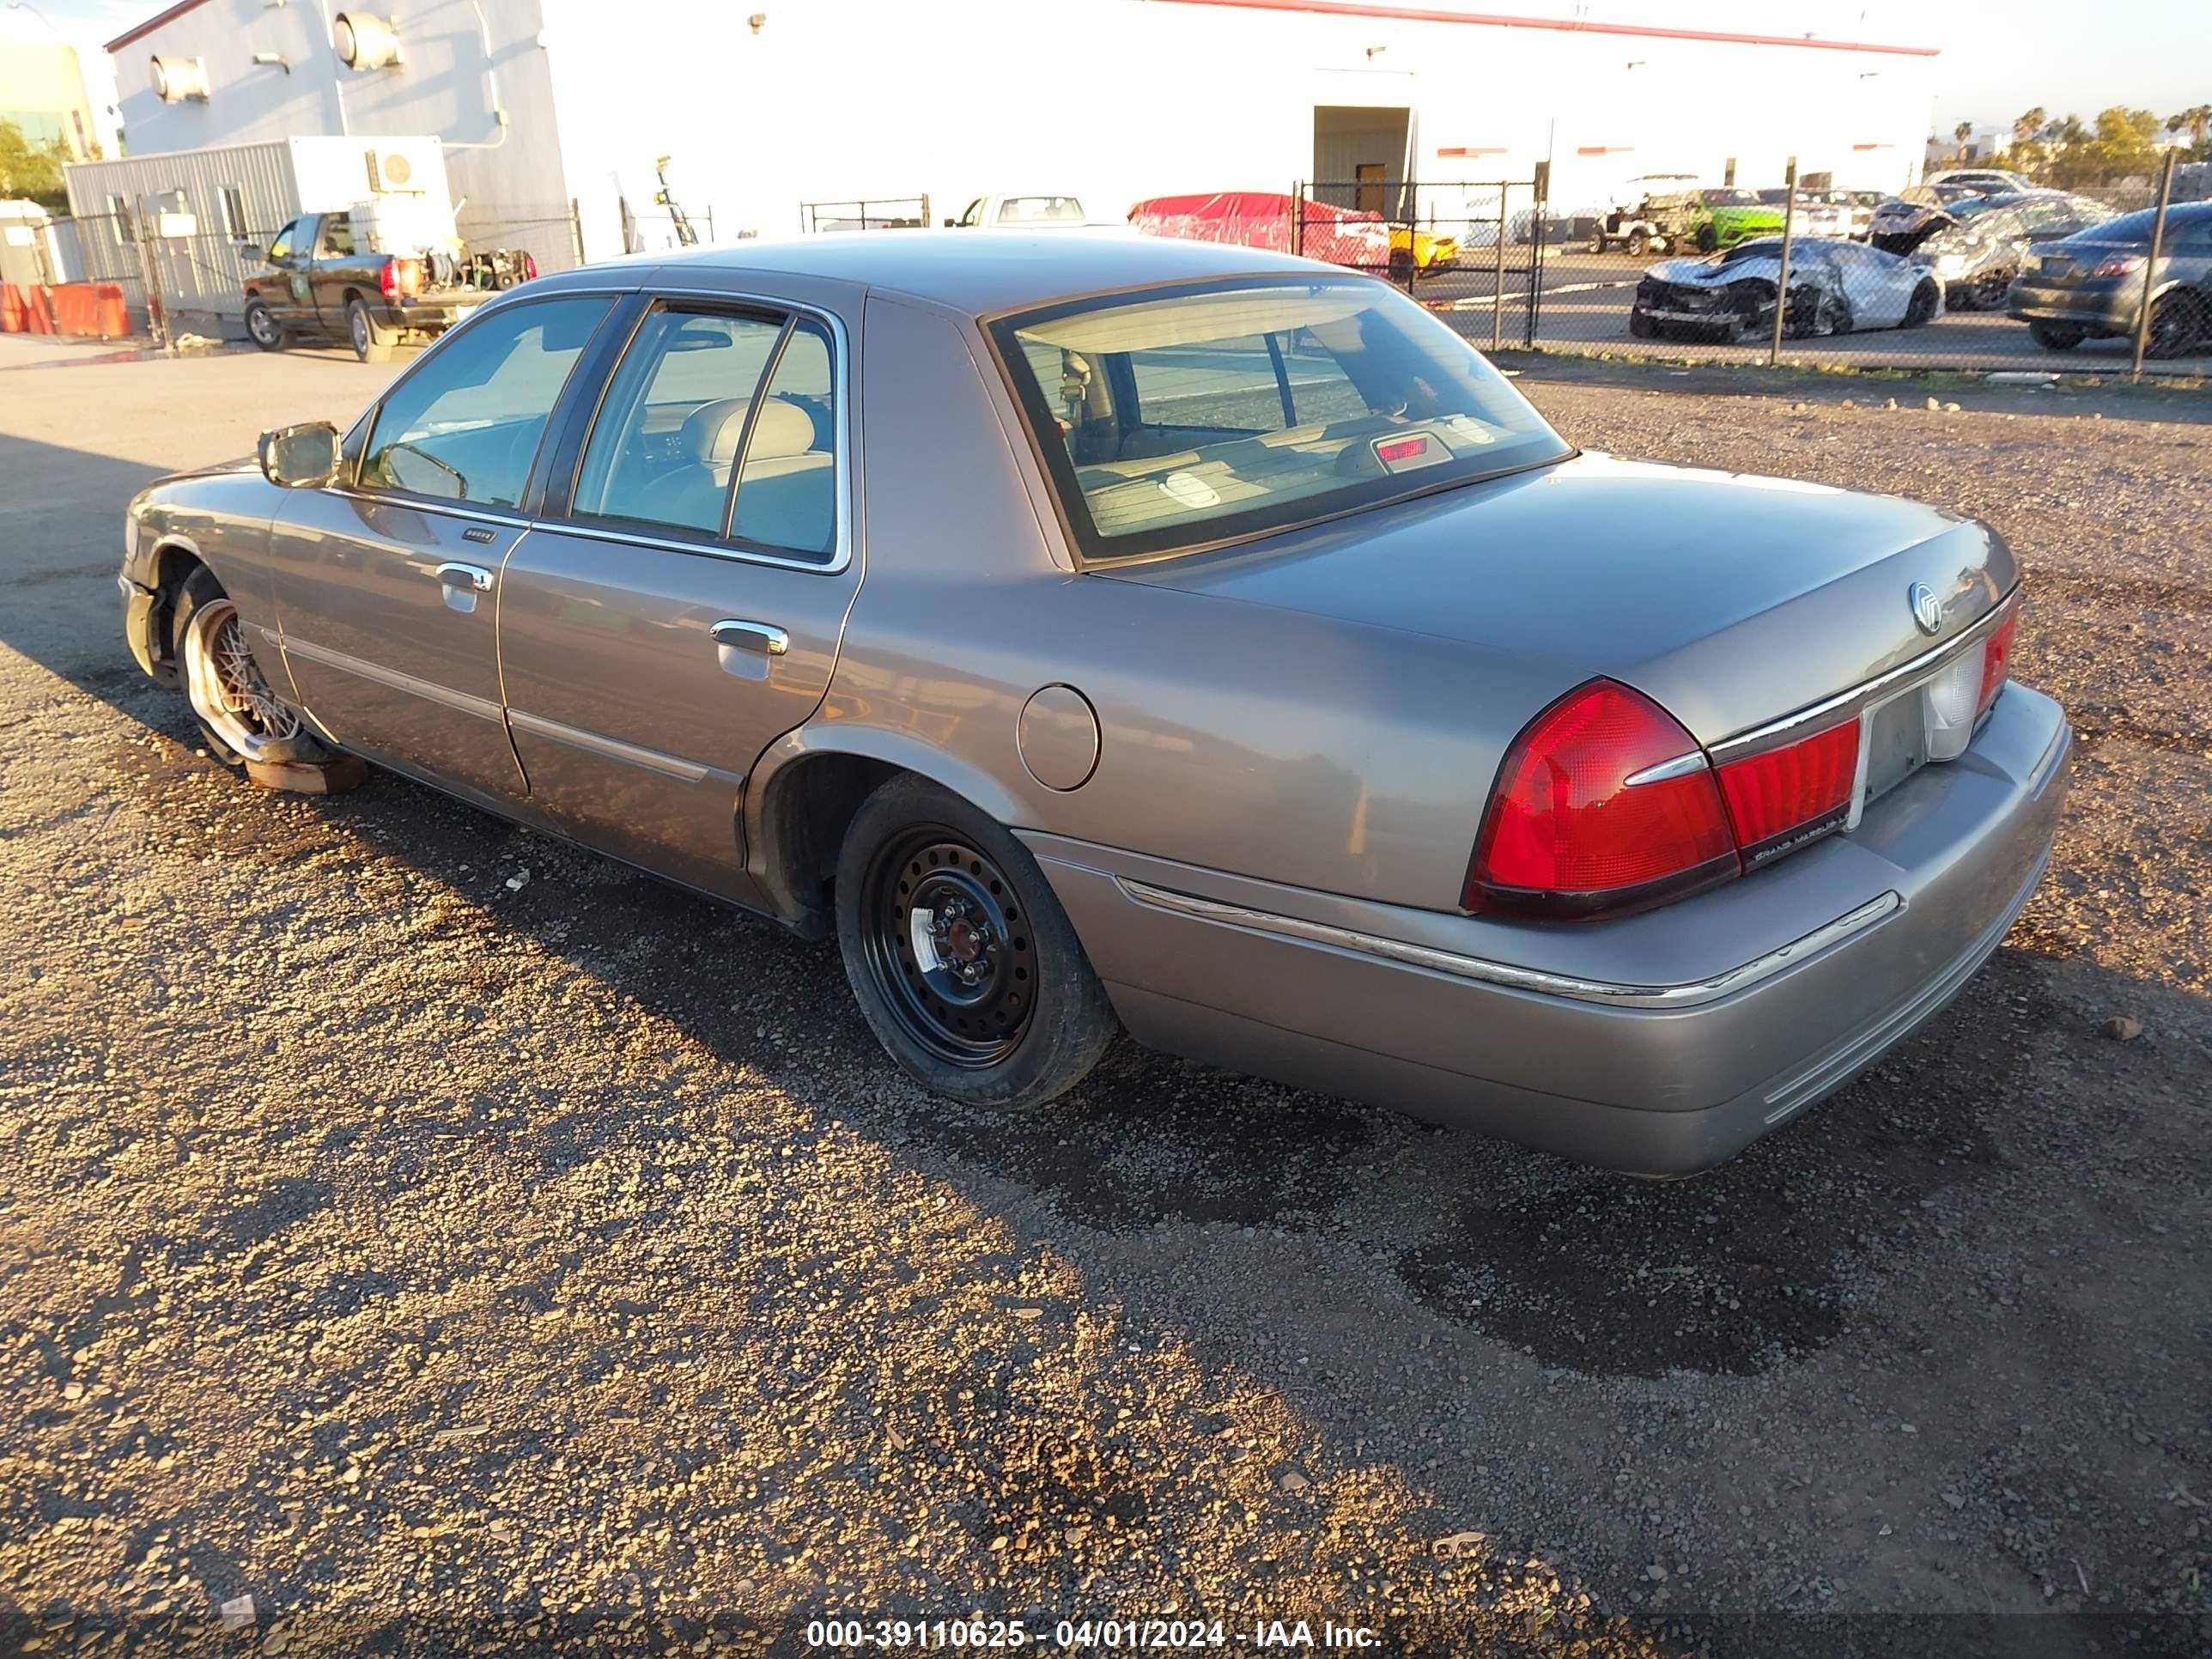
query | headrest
[711, 432]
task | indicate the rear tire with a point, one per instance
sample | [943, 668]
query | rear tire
[964, 965]
[1639, 243]
[1922, 305]
[261, 326]
[2178, 322]
[2056, 336]
[1708, 239]
[363, 332]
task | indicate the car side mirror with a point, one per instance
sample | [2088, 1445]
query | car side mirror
[251, 252]
[303, 457]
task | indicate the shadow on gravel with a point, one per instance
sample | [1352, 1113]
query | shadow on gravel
[1735, 1272]
[1762, 1260]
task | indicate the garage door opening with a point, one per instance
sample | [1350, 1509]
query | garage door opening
[1359, 157]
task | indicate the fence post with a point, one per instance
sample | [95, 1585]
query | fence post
[2150, 269]
[1782, 287]
[1298, 217]
[576, 228]
[157, 321]
[1539, 211]
[1409, 210]
[1497, 278]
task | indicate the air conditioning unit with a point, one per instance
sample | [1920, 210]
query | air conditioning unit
[392, 172]
[176, 79]
[364, 41]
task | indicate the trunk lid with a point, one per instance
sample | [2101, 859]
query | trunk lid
[1731, 600]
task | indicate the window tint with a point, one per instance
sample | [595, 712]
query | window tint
[464, 425]
[281, 248]
[1162, 421]
[787, 487]
[666, 437]
[337, 236]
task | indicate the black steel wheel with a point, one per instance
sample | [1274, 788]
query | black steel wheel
[959, 954]
[948, 946]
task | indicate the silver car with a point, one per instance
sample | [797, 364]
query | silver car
[1095, 634]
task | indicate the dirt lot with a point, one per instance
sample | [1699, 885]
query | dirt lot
[455, 1243]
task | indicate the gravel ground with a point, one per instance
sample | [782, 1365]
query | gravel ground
[453, 1242]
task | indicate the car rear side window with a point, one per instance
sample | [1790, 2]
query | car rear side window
[465, 425]
[720, 424]
[1187, 417]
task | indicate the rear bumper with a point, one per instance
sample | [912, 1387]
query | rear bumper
[2101, 310]
[1866, 935]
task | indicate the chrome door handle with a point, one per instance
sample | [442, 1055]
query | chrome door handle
[465, 575]
[751, 636]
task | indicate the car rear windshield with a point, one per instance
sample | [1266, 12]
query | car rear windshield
[2137, 227]
[1180, 418]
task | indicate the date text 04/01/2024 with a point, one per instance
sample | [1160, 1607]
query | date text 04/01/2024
[1140, 1635]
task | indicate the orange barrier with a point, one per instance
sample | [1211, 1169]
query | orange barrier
[90, 310]
[23, 310]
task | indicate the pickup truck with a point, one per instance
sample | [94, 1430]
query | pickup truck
[1022, 213]
[317, 277]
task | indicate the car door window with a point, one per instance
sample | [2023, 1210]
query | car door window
[338, 236]
[719, 423]
[665, 445]
[786, 498]
[464, 426]
[281, 249]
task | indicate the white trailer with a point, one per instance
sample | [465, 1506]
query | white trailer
[237, 196]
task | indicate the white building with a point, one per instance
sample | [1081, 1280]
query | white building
[545, 103]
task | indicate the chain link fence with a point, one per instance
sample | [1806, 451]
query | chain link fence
[2044, 281]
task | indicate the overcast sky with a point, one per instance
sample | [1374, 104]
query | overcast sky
[1997, 60]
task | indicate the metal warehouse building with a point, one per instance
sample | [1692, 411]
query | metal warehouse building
[552, 112]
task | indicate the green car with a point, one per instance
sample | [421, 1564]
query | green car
[1715, 219]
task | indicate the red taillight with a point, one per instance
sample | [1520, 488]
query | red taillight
[529, 267]
[388, 279]
[2119, 265]
[1778, 800]
[1568, 834]
[1997, 662]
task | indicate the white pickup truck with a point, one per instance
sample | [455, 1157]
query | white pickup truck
[1024, 213]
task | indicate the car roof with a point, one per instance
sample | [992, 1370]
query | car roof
[981, 274]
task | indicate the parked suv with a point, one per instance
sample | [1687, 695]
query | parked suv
[2092, 285]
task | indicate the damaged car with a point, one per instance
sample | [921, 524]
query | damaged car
[1978, 256]
[1913, 215]
[1835, 286]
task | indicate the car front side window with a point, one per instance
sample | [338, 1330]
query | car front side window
[465, 425]
[281, 249]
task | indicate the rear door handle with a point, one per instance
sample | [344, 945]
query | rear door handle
[762, 637]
